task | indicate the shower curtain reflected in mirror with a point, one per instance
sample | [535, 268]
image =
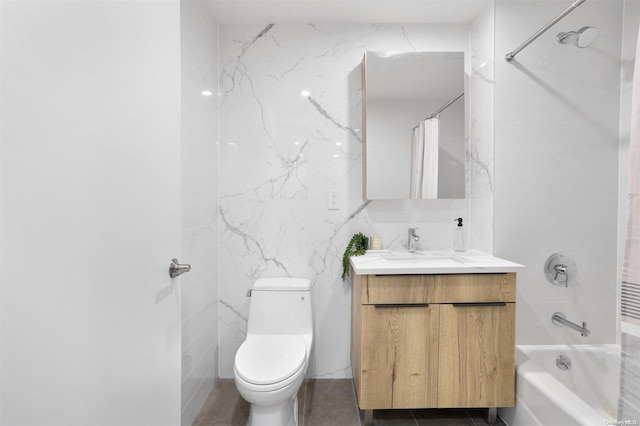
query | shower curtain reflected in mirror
[424, 159]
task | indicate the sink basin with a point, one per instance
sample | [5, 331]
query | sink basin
[400, 255]
[424, 257]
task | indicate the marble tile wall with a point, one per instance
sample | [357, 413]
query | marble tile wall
[556, 165]
[282, 152]
[199, 288]
[481, 133]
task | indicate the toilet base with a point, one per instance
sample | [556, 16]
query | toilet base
[284, 413]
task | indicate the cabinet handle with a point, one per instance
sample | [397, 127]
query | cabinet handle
[401, 305]
[462, 305]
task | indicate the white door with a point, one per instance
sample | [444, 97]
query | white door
[90, 145]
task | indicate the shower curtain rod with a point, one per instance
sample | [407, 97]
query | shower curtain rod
[509, 56]
[442, 108]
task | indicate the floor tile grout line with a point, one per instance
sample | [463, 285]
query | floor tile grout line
[470, 418]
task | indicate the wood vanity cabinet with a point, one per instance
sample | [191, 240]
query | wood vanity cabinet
[433, 341]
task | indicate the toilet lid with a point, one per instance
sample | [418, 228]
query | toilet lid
[266, 359]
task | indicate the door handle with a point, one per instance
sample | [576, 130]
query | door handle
[176, 269]
[401, 305]
[476, 304]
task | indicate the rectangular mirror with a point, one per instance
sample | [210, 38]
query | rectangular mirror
[414, 125]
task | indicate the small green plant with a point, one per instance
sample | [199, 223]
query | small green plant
[356, 247]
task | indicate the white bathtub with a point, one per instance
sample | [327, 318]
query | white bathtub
[586, 394]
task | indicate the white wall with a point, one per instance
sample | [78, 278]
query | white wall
[556, 165]
[631, 19]
[281, 153]
[199, 58]
[1, 210]
[629, 404]
[90, 220]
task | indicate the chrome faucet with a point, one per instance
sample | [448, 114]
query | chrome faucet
[559, 318]
[414, 238]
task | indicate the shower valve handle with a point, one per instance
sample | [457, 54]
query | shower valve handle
[562, 270]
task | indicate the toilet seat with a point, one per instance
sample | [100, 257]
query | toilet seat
[270, 359]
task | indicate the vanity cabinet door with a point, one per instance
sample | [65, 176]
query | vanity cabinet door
[399, 356]
[477, 344]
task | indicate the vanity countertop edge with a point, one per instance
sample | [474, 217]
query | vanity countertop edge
[447, 262]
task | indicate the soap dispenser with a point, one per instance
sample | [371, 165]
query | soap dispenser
[460, 240]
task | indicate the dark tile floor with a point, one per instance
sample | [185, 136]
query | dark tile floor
[324, 402]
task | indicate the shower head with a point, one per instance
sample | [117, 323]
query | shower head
[581, 38]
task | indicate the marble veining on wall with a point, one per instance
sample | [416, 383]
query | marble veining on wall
[282, 150]
[481, 134]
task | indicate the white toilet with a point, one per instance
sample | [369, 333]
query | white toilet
[271, 363]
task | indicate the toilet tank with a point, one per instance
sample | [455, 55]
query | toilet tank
[280, 306]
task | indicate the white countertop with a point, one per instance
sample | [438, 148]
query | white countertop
[384, 262]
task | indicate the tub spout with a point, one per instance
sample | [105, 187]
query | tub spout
[560, 318]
